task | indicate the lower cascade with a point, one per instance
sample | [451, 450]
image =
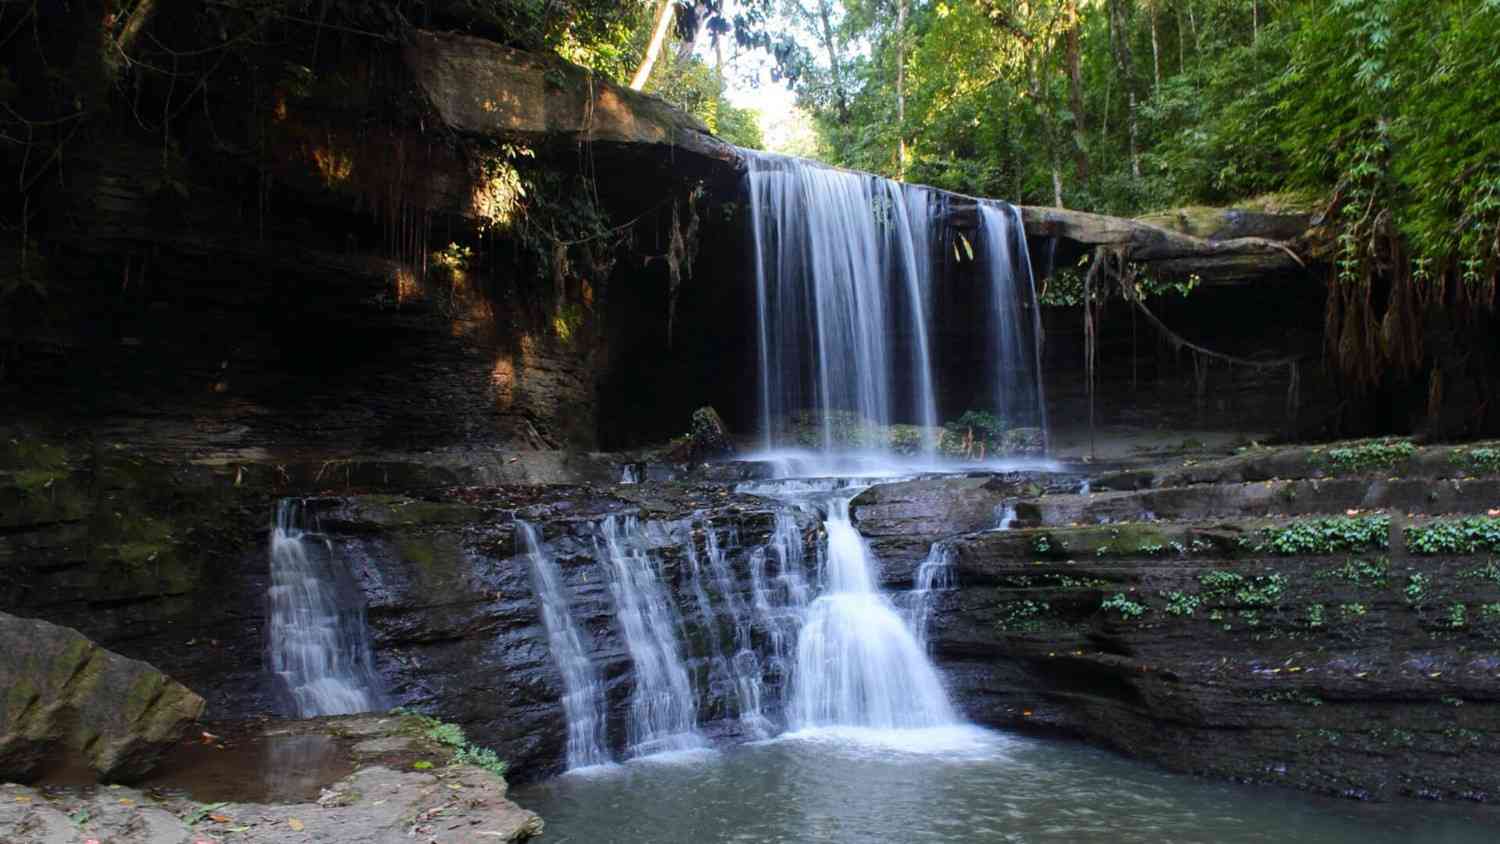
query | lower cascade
[858, 663]
[759, 639]
[319, 646]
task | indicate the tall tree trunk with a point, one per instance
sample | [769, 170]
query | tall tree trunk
[1120, 13]
[653, 50]
[1075, 91]
[1181, 40]
[1155, 47]
[1197, 36]
[902, 9]
[1254, 21]
[835, 66]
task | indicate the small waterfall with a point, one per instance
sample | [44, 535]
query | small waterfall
[663, 708]
[858, 663]
[319, 646]
[1005, 516]
[745, 666]
[935, 574]
[583, 693]
[629, 474]
[1015, 339]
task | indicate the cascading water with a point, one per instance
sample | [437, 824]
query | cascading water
[583, 693]
[319, 646]
[934, 575]
[840, 271]
[844, 266]
[663, 707]
[1015, 338]
[858, 663]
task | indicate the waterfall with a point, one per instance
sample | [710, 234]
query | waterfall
[319, 646]
[1015, 339]
[663, 707]
[858, 663]
[583, 693]
[844, 268]
[841, 263]
[935, 574]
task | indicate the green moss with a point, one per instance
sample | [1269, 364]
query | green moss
[21, 453]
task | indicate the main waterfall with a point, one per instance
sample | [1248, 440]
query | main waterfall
[846, 296]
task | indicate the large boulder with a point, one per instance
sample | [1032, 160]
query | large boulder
[63, 693]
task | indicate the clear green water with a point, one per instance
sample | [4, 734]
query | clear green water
[961, 784]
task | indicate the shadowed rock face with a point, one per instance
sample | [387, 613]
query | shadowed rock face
[66, 695]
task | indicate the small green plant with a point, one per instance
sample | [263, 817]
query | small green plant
[1042, 544]
[1123, 605]
[1182, 603]
[452, 735]
[1352, 612]
[480, 757]
[1363, 573]
[1381, 454]
[1489, 571]
[1416, 587]
[1022, 616]
[1315, 615]
[1458, 615]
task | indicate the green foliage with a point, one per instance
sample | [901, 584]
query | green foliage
[1331, 535]
[1022, 616]
[1463, 536]
[1316, 617]
[452, 735]
[1380, 454]
[480, 757]
[1383, 104]
[1127, 608]
[1363, 573]
[1181, 603]
[1484, 460]
[1417, 585]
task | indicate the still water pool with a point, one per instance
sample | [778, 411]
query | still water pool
[954, 784]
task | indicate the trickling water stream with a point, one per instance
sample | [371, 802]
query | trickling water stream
[663, 706]
[583, 693]
[319, 646]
